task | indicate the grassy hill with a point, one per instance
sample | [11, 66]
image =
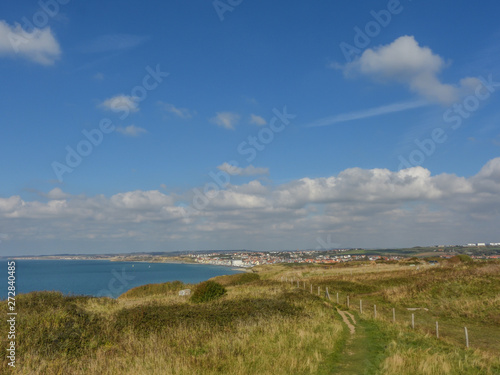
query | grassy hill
[269, 323]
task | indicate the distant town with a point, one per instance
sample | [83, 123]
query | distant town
[248, 258]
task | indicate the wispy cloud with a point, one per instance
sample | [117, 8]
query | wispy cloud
[247, 171]
[113, 42]
[367, 113]
[39, 45]
[257, 120]
[120, 103]
[225, 119]
[131, 130]
[183, 113]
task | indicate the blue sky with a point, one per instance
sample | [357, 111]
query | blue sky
[232, 124]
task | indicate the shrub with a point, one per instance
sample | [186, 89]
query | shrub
[207, 291]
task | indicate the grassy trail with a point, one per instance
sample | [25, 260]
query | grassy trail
[363, 350]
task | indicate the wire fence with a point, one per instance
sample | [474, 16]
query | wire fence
[419, 319]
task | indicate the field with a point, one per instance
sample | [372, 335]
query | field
[269, 322]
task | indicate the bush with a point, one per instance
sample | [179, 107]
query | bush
[207, 291]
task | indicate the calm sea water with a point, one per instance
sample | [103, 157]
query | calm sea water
[100, 278]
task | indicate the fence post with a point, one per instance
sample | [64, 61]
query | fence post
[360, 306]
[413, 321]
[327, 295]
[319, 290]
[393, 315]
[437, 329]
[375, 311]
[311, 288]
[347, 301]
[337, 298]
[466, 337]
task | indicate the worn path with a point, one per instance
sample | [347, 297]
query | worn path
[364, 348]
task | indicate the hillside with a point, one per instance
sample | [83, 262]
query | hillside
[269, 322]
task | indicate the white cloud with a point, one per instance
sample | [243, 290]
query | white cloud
[367, 113]
[183, 113]
[238, 171]
[98, 76]
[406, 62]
[57, 193]
[358, 207]
[121, 103]
[39, 45]
[257, 120]
[225, 119]
[131, 130]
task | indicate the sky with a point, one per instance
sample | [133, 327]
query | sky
[232, 124]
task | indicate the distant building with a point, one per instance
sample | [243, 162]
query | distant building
[494, 244]
[237, 263]
[481, 244]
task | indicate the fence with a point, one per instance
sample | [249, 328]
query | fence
[400, 315]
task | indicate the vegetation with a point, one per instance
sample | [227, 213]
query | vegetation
[208, 291]
[258, 324]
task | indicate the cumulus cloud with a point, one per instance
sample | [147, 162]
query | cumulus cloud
[131, 130]
[238, 171]
[57, 193]
[182, 113]
[226, 120]
[121, 103]
[257, 120]
[39, 45]
[356, 207]
[406, 62]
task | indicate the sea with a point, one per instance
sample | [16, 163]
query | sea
[100, 277]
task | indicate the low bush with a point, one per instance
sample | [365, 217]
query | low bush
[208, 291]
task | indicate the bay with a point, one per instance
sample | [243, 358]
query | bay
[100, 277]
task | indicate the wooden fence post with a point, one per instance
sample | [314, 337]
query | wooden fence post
[437, 329]
[375, 311]
[466, 337]
[327, 295]
[360, 306]
[311, 288]
[337, 298]
[413, 321]
[393, 315]
[347, 301]
[319, 290]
